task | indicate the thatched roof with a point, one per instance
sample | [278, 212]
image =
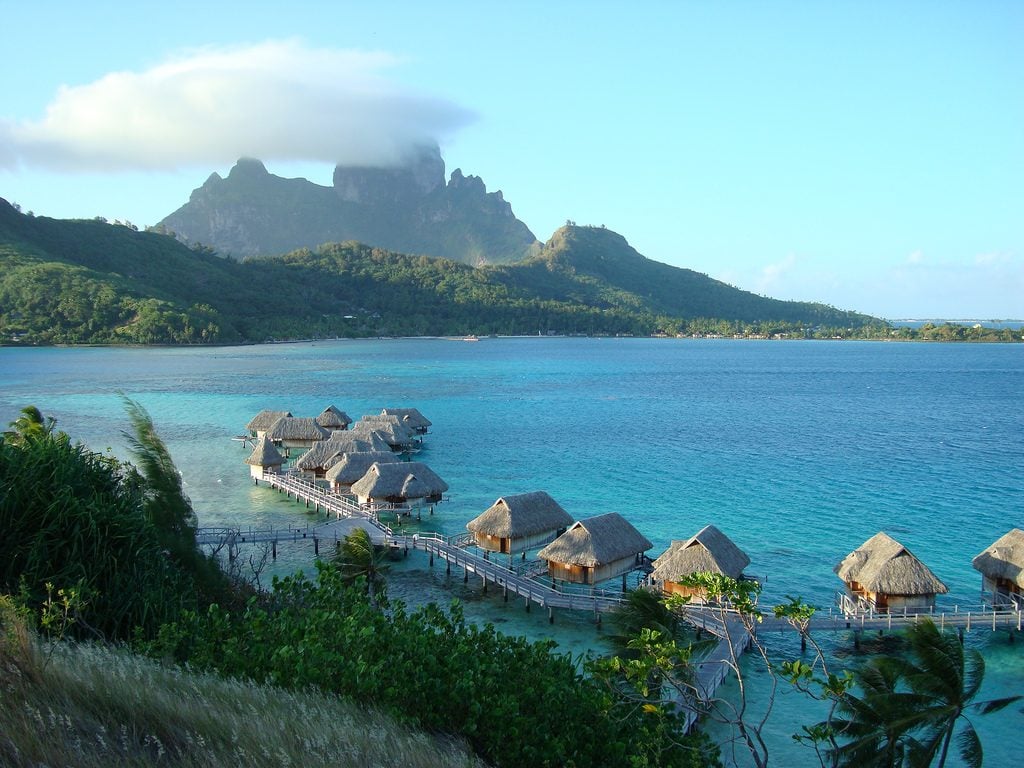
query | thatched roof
[411, 417]
[1004, 559]
[332, 418]
[297, 428]
[264, 420]
[709, 551]
[358, 442]
[596, 541]
[350, 467]
[521, 515]
[883, 565]
[265, 454]
[322, 455]
[388, 427]
[402, 480]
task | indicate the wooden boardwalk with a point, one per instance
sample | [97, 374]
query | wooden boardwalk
[529, 585]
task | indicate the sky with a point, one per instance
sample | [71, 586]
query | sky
[868, 155]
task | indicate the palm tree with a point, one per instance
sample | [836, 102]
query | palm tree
[948, 677]
[165, 502]
[912, 707]
[878, 722]
[358, 558]
[31, 425]
[644, 609]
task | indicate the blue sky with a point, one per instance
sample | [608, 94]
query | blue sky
[868, 155]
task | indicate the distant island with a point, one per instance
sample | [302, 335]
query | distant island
[96, 282]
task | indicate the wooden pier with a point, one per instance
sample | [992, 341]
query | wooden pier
[531, 585]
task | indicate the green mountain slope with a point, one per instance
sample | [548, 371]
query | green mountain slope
[93, 282]
[596, 266]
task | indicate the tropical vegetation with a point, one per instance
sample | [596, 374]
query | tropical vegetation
[98, 549]
[92, 282]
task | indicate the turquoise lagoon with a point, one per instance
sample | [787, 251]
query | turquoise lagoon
[799, 451]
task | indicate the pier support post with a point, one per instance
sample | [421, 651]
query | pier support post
[856, 639]
[551, 615]
[431, 559]
[504, 593]
[448, 568]
[273, 549]
[465, 575]
[527, 601]
[316, 546]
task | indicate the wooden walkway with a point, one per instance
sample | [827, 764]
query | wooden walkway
[528, 584]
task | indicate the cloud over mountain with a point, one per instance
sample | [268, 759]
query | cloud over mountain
[277, 100]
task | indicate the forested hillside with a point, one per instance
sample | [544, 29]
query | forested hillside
[85, 281]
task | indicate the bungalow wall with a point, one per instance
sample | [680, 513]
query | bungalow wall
[257, 472]
[508, 545]
[581, 574]
[884, 602]
[696, 594]
[1004, 587]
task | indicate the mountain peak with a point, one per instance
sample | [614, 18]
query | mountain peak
[405, 207]
[248, 168]
[416, 175]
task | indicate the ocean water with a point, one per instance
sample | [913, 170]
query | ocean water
[799, 451]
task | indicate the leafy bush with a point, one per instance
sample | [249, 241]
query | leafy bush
[516, 702]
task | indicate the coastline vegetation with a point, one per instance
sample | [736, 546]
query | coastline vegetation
[91, 282]
[120, 642]
[91, 548]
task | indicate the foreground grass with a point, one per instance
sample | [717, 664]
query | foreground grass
[84, 705]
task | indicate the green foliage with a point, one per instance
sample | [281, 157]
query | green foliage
[76, 520]
[909, 708]
[516, 702]
[96, 706]
[92, 282]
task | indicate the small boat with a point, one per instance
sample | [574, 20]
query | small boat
[470, 338]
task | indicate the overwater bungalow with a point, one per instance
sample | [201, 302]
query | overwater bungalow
[709, 551]
[519, 522]
[397, 435]
[884, 576]
[362, 441]
[399, 483]
[319, 458]
[1002, 570]
[296, 432]
[595, 549]
[264, 459]
[350, 467]
[410, 417]
[263, 421]
[332, 419]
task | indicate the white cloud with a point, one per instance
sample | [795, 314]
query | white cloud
[276, 101]
[772, 275]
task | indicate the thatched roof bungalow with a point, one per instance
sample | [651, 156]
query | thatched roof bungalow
[410, 417]
[296, 432]
[397, 435]
[263, 421]
[399, 483]
[709, 551]
[358, 442]
[319, 458]
[595, 549]
[885, 576]
[350, 467]
[1002, 569]
[264, 458]
[332, 419]
[519, 522]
